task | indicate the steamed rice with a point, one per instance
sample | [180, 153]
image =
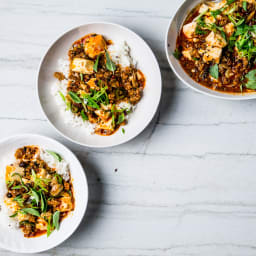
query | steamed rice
[61, 167]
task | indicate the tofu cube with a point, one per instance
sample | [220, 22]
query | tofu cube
[212, 54]
[229, 29]
[215, 6]
[104, 115]
[203, 8]
[189, 29]
[106, 125]
[94, 45]
[187, 54]
[92, 83]
[82, 66]
[215, 39]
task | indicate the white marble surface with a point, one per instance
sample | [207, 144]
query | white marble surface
[186, 186]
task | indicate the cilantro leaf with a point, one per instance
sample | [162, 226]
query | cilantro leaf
[214, 71]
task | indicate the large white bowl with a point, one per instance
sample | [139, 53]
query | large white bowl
[11, 238]
[170, 45]
[145, 109]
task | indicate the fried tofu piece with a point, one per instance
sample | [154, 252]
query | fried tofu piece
[189, 29]
[203, 8]
[42, 174]
[106, 107]
[56, 187]
[229, 29]
[10, 170]
[66, 203]
[212, 54]
[106, 125]
[250, 1]
[23, 216]
[209, 19]
[92, 83]
[104, 115]
[187, 54]
[94, 45]
[82, 66]
[215, 6]
[41, 224]
[12, 205]
[216, 40]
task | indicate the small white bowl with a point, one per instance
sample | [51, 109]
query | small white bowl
[145, 109]
[170, 46]
[12, 239]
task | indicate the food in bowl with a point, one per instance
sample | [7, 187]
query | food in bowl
[99, 85]
[217, 45]
[39, 190]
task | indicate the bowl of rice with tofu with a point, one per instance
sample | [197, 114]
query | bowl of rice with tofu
[211, 47]
[99, 85]
[40, 206]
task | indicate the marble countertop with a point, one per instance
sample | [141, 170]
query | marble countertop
[186, 186]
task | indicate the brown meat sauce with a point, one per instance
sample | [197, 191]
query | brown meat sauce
[232, 67]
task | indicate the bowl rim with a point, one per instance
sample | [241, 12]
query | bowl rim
[220, 95]
[154, 59]
[83, 173]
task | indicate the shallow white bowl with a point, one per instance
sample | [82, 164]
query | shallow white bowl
[145, 109]
[170, 45]
[13, 239]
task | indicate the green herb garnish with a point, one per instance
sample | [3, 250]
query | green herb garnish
[34, 194]
[123, 130]
[95, 66]
[39, 182]
[14, 215]
[110, 65]
[75, 97]
[31, 211]
[84, 116]
[214, 71]
[43, 202]
[244, 4]
[22, 183]
[235, 21]
[230, 1]
[19, 200]
[56, 220]
[49, 227]
[121, 118]
[9, 183]
[55, 155]
[199, 31]
[251, 79]
[177, 54]
[81, 77]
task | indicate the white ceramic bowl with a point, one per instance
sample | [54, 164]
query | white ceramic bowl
[170, 45]
[11, 238]
[145, 109]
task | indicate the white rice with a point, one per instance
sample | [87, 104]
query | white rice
[61, 167]
[120, 54]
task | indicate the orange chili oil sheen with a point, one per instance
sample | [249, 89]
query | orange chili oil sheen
[200, 72]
